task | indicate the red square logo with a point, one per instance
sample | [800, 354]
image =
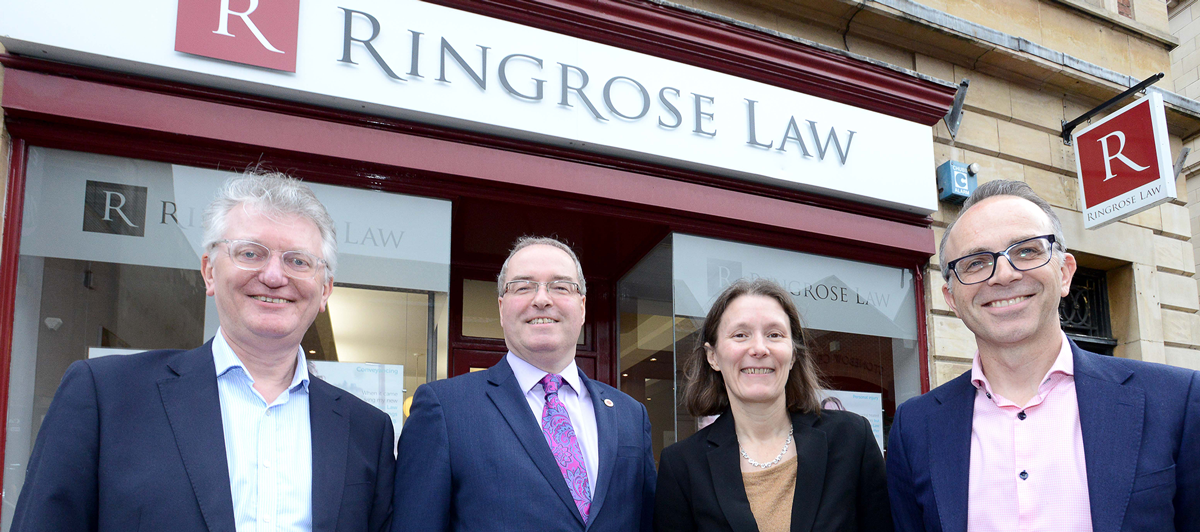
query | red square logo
[1119, 155]
[253, 32]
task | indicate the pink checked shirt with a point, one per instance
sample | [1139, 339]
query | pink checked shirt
[1027, 467]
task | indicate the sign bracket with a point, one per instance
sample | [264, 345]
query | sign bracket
[953, 117]
[1069, 127]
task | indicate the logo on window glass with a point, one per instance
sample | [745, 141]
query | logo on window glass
[114, 208]
[722, 273]
[252, 32]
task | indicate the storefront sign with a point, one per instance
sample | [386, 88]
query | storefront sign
[110, 209]
[833, 294]
[1124, 163]
[260, 34]
[412, 60]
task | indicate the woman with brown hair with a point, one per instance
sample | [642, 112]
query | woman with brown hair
[773, 461]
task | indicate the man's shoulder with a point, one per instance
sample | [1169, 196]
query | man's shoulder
[618, 397]
[150, 363]
[923, 403]
[353, 402]
[463, 387]
[1122, 370]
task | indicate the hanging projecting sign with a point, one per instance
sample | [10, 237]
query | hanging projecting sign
[1124, 163]
[428, 63]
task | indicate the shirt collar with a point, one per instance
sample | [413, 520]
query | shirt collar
[1063, 365]
[529, 375]
[226, 360]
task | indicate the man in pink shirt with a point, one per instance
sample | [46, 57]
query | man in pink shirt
[1040, 435]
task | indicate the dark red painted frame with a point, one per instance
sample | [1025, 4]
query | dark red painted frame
[711, 42]
[10, 250]
[79, 108]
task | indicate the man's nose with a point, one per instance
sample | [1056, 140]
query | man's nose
[541, 296]
[1005, 272]
[272, 273]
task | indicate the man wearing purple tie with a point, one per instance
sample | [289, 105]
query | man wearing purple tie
[531, 444]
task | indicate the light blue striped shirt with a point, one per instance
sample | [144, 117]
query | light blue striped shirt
[268, 447]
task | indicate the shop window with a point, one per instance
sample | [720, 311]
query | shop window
[109, 265]
[1084, 312]
[861, 318]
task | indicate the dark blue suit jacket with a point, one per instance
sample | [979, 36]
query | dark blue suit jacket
[135, 443]
[1141, 442]
[472, 458]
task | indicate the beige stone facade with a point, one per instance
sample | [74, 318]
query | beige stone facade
[1031, 65]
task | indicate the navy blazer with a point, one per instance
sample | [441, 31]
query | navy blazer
[840, 485]
[472, 458]
[1141, 442]
[135, 443]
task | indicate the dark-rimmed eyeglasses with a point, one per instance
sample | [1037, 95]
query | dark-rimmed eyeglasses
[252, 256]
[525, 287]
[1025, 255]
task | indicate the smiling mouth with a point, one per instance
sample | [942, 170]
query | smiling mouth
[1006, 302]
[266, 299]
[758, 371]
[540, 321]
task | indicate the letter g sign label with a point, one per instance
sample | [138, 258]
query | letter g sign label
[252, 32]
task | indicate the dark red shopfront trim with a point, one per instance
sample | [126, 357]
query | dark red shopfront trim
[708, 41]
[56, 105]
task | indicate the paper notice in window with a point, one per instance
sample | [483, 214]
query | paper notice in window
[865, 404]
[381, 385]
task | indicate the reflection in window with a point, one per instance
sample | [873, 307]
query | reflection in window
[110, 265]
[861, 319]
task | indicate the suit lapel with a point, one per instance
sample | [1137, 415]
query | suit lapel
[724, 463]
[606, 432]
[950, 451]
[812, 450]
[509, 399]
[193, 409]
[330, 428]
[1111, 419]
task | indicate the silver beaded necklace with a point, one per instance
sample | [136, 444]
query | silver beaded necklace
[786, 443]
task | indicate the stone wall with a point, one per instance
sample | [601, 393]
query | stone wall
[1013, 114]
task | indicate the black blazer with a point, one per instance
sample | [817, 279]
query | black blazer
[840, 481]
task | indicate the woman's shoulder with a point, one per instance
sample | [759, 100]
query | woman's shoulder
[842, 421]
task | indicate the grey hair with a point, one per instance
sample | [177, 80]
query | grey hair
[1002, 187]
[530, 240]
[274, 193]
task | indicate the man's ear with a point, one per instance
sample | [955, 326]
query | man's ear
[1067, 270]
[948, 293]
[206, 271]
[326, 291]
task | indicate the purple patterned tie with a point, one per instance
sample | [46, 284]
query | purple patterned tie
[556, 426]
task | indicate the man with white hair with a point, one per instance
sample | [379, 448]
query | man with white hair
[235, 434]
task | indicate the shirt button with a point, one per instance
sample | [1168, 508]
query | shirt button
[1024, 475]
[989, 395]
[267, 464]
[1021, 416]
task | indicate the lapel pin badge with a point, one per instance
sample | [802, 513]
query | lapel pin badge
[608, 403]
